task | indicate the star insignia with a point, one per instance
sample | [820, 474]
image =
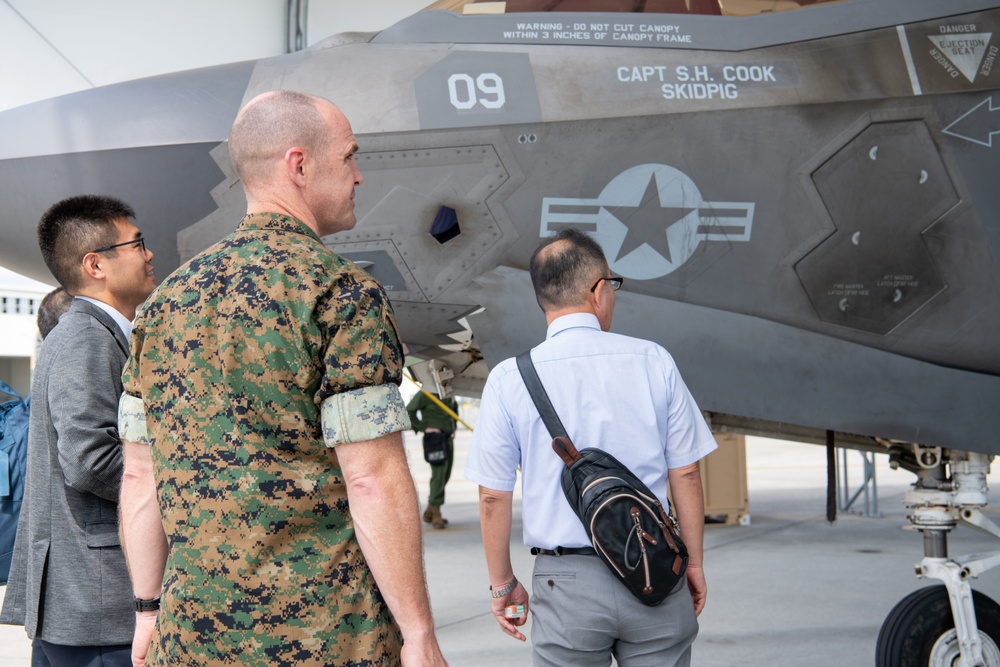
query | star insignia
[648, 222]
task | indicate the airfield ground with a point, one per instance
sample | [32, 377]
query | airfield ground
[788, 589]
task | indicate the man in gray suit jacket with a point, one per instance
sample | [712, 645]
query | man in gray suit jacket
[68, 583]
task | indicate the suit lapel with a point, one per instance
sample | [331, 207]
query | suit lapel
[106, 321]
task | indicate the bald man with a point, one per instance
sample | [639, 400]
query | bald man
[263, 419]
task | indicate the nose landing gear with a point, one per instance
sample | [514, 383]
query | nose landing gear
[950, 625]
[920, 630]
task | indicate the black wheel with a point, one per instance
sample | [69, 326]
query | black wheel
[920, 631]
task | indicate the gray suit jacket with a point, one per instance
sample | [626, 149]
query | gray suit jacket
[68, 583]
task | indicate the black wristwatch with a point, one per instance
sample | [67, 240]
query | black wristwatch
[145, 605]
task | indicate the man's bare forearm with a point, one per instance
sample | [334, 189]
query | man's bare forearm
[689, 504]
[142, 536]
[496, 517]
[689, 501]
[385, 512]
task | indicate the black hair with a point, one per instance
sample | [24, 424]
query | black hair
[75, 226]
[53, 305]
[563, 268]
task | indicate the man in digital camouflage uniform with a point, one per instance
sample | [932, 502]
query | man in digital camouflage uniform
[262, 395]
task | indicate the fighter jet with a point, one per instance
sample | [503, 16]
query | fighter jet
[804, 205]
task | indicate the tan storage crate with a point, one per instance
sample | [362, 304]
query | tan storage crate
[724, 481]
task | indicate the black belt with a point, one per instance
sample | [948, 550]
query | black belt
[564, 551]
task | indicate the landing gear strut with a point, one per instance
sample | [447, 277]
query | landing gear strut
[948, 625]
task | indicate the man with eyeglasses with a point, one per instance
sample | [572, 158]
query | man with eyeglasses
[69, 585]
[622, 395]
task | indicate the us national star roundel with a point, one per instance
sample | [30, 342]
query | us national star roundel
[649, 219]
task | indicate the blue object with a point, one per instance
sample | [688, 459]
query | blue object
[445, 226]
[13, 459]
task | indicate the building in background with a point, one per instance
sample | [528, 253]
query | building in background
[19, 301]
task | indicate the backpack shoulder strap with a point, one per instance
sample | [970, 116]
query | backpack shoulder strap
[561, 443]
[539, 396]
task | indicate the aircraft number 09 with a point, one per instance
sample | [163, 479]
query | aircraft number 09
[466, 92]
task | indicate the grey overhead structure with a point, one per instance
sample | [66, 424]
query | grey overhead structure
[805, 205]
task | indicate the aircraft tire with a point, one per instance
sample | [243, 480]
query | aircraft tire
[920, 630]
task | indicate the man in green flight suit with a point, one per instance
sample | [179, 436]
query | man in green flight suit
[439, 437]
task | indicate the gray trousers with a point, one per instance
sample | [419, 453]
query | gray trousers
[582, 615]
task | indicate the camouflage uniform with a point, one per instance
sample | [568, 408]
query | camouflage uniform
[251, 362]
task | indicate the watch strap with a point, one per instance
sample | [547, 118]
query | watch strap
[503, 590]
[139, 604]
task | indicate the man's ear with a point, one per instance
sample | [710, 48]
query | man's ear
[603, 306]
[91, 266]
[594, 298]
[295, 165]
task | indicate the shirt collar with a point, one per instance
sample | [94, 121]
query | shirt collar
[277, 221]
[572, 321]
[122, 322]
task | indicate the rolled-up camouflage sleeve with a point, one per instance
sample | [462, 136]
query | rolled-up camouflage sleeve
[363, 414]
[131, 412]
[363, 364]
[132, 419]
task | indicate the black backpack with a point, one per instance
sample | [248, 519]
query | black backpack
[13, 459]
[625, 522]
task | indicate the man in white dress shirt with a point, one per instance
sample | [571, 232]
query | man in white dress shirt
[625, 396]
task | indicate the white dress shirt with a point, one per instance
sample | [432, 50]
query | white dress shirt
[620, 394]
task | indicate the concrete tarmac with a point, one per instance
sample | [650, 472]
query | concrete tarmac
[788, 589]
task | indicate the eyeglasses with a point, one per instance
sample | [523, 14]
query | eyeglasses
[615, 282]
[141, 241]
